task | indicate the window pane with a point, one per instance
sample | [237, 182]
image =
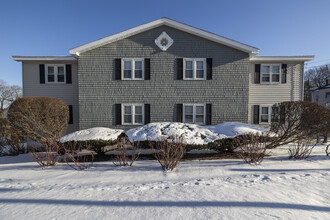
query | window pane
[200, 110]
[327, 96]
[265, 69]
[189, 65]
[188, 118]
[128, 110]
[128, 74]
[138, 74]
[50, 70]
[189, 74]
[50, 78]
[188, 110]
[276, 69]
[60, 70]
[60, 78]
[138, 110]
[199, 118]
[264, 118]
[127, 119]
[265, 78]
[276, 77]
[127, 65]
[138, 119]
[199, 65]
[138, 65]
[264, 110]
[199, 73]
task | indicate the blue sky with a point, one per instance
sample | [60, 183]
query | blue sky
[49, 27]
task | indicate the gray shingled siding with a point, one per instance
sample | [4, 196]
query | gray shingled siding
[99, 92]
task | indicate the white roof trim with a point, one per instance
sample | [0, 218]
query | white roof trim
[282, 58]
[164, 21]
[43, 58]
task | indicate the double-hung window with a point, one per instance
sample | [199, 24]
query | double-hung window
[270, 73]
[194, 69]
[55, 73]
[133, 114]
[265, 114]
[194, 113]
[133, 69]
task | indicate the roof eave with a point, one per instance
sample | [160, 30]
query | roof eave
[283, 58]
[43, 58]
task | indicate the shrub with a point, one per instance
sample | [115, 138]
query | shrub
[301, 150]
[97, 146]
[123, 157]
[38, 118]
[168, 152]
[49, 156]
[252, 147]
[293, 120]
[76, 159]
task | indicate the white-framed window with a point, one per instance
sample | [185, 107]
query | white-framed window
[132, 69]
[265, 114]
[194, 113]
[55, 73]
[132, 114]
[270, 73]
[194, 69]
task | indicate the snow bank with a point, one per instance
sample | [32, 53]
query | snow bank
[97, 133]
[191, 133]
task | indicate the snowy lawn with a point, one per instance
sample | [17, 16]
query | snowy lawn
[214, 189]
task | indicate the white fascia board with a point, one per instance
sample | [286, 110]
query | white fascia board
[164, 21]
[282, 58]
[43, 58]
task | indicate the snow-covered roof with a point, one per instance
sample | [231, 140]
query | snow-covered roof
[171, 23]
[43, 58]
[282, 58]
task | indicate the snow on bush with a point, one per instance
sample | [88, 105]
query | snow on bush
[97, 133]
[191, 133]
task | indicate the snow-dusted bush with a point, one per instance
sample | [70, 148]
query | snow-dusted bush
[168, 152]
[219, 137]
[97, 139]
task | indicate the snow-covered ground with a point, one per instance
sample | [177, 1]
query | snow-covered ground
[216, 189]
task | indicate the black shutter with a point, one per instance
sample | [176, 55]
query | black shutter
[146, 69]
[179, 108]
[42, 73]
[208, 114]
[117, 69]
[70, 115]
[257, 73]
[209, 68]
[146, 113]
[256, 114]
[118, 114]
[284, 72]
[68, 74]
[179, 68]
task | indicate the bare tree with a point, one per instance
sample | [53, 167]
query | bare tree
[8, 94]
[315, 78]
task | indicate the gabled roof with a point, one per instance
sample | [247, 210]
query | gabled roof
[171, 23]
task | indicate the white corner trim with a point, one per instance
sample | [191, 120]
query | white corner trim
[164, 21]
[43, 58]
[282, 58]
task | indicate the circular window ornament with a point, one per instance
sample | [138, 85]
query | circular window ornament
[164, 41]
